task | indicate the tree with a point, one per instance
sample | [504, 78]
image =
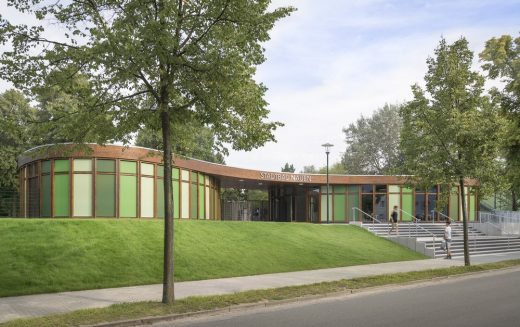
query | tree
[191, 141]
[502, 60]
[373, 143]
[155, 63]
[336, 168]
[451, 131]
[15, 134]
[288, 168]
[309, 170]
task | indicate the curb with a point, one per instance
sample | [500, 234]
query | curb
[273, 303]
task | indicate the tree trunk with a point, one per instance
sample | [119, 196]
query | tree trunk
[514, 202]
[168, 288]
[464, 221]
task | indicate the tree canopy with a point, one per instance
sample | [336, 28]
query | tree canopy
[451, 130]
[191, 140]
[501, 58]
[373, 143]
[157, 63]
[288, 168]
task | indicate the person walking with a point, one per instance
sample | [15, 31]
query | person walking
[447, 238]
[394, 217]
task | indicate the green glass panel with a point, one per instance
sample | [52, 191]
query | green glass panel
[394, 189]
[407, 207]
[83, 165]
[353, 189]
[175, 173]
[160, 197]
[202, 212]
[82, 195]
[353, 202]
[128, 167]
[207, 198]
[394, 200]
[46, 166]
[147, 192]
[106, 166]
[193, 177]
[454, 206]
[176, 199]
[407, 189]
[61, 165]
[339, 207]
[61, 196]
[185, 200]
[201, 179]
[46, 195]
[323, 206]
[324, 189]
[472, 207]
[146, 169]
[340, 188]
[193, 201]
[105, 195]
[160, 171]
[128, 196]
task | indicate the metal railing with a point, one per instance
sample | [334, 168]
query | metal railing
[366, 214]
[417, 226]
[509, 224]
[456, 223]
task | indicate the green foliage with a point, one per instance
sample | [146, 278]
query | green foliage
[373, 143]
[190, 140]
[309, 170]
[44, 255]
[288, 168]
[336, 168]
[135, 59]
[451, 130]
[502, 60]
[16, 134]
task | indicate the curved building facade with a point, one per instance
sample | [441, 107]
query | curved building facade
[127, 182]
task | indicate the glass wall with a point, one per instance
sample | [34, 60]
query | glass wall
[82, 188]
[101, 187]
[128, 189]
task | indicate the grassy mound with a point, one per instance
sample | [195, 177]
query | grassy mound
[44, 255]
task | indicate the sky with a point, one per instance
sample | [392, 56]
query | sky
[333, 61]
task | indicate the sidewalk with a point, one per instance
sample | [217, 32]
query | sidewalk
[47, 304]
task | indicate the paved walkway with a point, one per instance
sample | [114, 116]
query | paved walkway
[46, 304]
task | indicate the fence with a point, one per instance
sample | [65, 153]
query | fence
[507, 221]
[245, 210]
[9, 203]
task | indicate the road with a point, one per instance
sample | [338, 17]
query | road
[489, 299]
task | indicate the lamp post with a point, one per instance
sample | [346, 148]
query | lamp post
[327, 147]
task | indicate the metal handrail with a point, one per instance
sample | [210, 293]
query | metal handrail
[373, 218]
[458, 224]
[440, 213]
[424, 229]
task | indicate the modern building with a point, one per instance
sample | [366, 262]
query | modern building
[114, 181]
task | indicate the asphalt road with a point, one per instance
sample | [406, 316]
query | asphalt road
[490, 299]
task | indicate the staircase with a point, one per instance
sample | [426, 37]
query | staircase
[426, 238]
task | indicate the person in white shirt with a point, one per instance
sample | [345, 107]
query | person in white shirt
[447, 239]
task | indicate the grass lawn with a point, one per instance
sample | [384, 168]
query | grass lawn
[51, 255]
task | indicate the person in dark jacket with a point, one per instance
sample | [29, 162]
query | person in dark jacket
[393, 219]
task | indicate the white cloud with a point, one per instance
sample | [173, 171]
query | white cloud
[332, 62]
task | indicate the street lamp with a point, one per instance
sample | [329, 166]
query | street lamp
[327, 147]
